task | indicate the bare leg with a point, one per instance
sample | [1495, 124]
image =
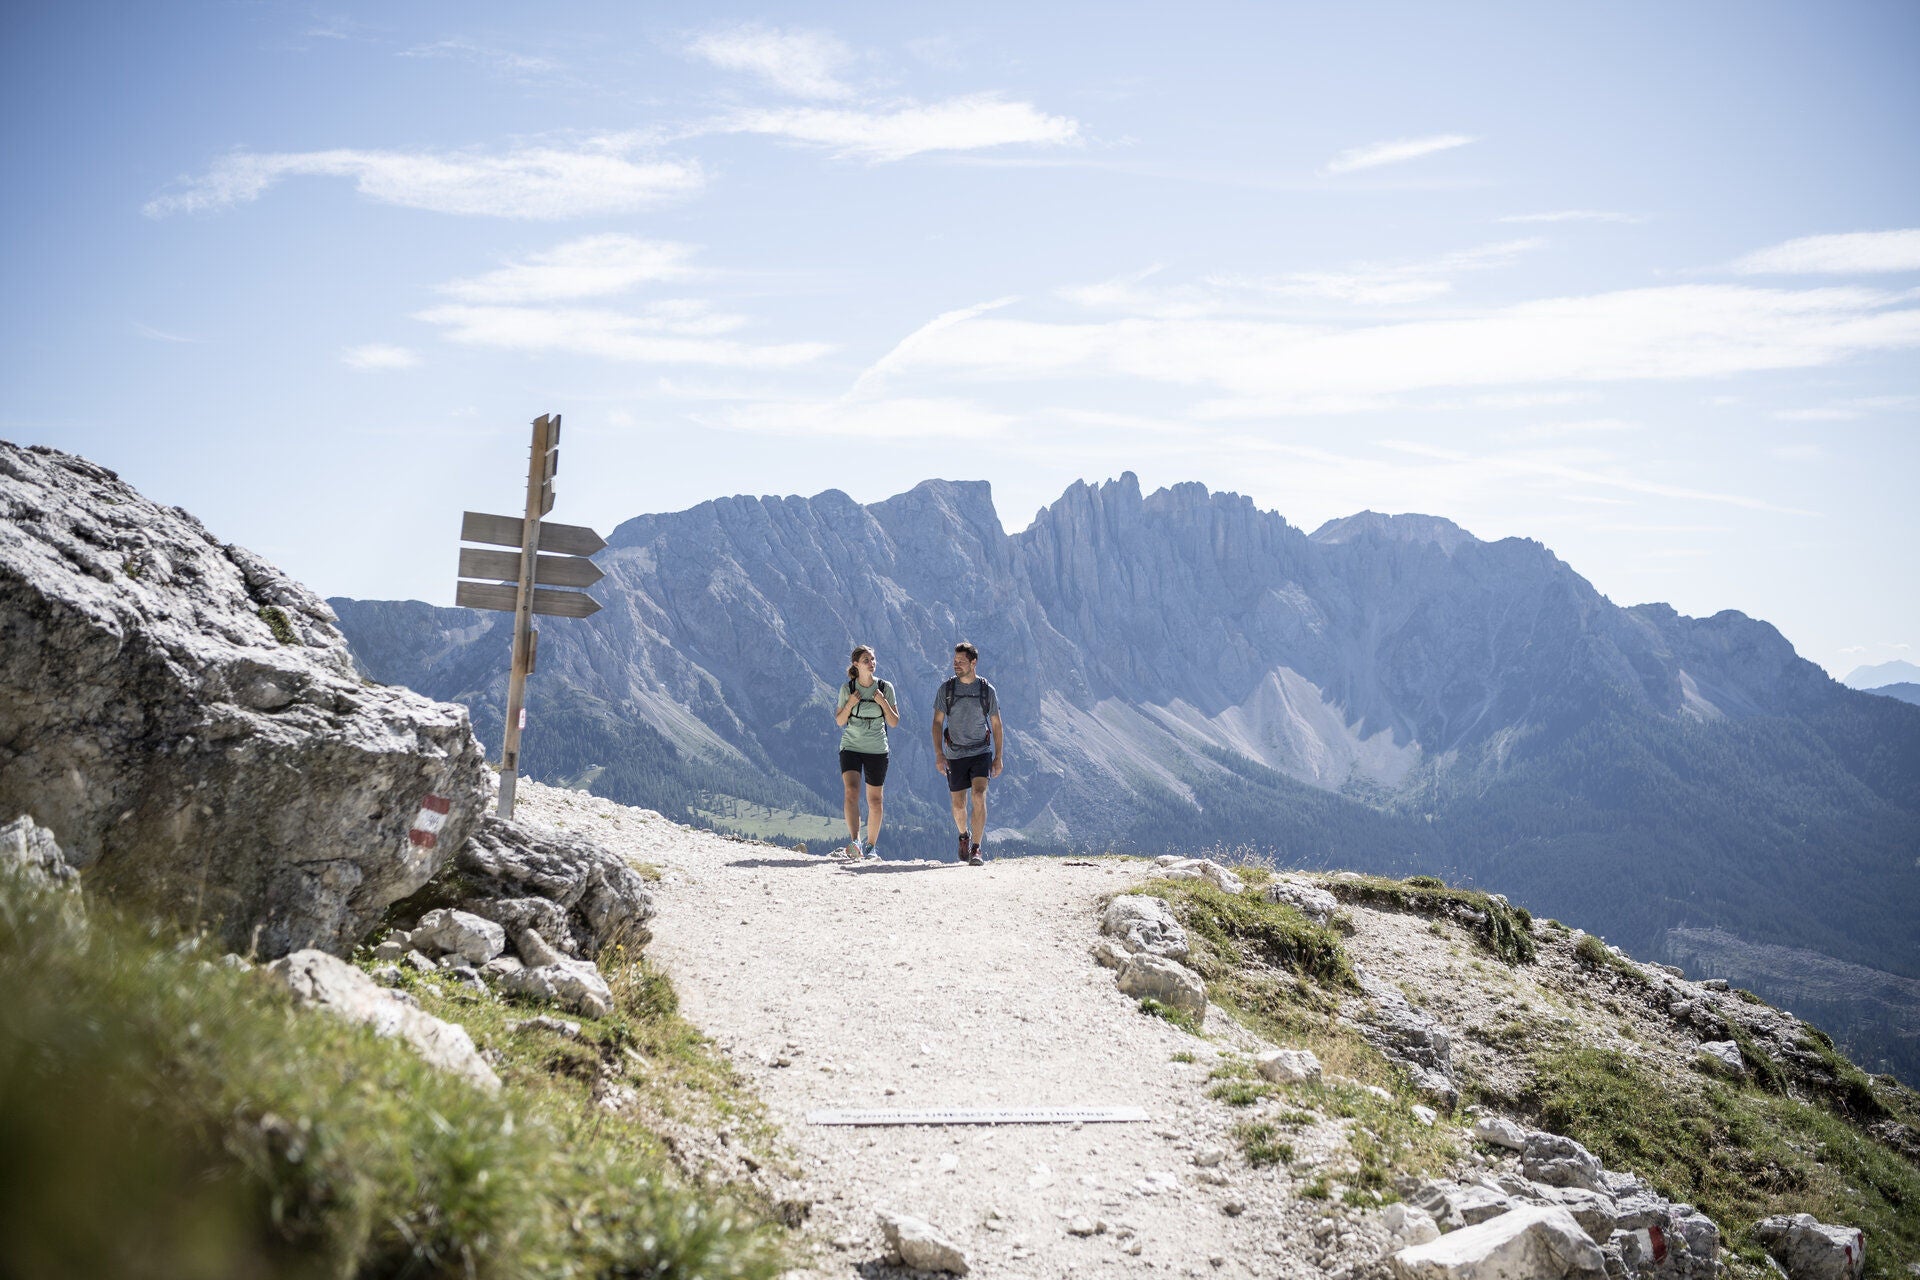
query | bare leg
[959, 811]
[876, 811]
[852, 783]
[979, 815]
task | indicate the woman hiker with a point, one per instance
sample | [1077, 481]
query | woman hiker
[867, 709]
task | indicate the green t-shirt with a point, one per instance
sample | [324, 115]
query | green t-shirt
[867, 727]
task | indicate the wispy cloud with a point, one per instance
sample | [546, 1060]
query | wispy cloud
[378, 355]
[1262, 366]
[1376, 154]
[670, 332]
[805, 64]
[896, 132]
[1858, 252]
[590, 267]
[159, 335]
[1518, 465]
[603, 175]
[906, 418]
[1386, 283]
[1573, 215]
[501, 62]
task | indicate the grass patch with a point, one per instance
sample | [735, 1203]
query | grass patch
[1737, 1151]
[220, 1131]
[278, 623]
[1178, 1017]
[1385, 1137]
[1504, 930]
[1184, 1056]
[1233, 930]
[1261, 1143]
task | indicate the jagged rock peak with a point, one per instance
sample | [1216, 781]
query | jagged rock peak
[1443, 533]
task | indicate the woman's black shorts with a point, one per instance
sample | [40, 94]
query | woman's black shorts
[874, 766]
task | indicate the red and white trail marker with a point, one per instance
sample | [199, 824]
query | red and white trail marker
[1653, 1243]
[427, 823]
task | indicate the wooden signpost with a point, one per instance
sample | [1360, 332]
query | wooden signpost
[508, 580]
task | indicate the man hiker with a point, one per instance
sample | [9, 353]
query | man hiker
[968, 745]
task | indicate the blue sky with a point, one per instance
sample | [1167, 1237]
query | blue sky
[1640, 281]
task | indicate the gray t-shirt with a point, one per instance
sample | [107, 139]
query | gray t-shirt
[967, 732]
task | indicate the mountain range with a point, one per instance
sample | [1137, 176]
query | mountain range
[1181, 670]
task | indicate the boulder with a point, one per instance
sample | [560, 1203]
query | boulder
[555, 979]
[1453, 1205]
[914, 1243]
[186, 720]
[1304, 896]
[324, 981]
[1813, 1250]
[1408, 1225]
[1411, 1038]
[1561, 1162]
[30, 849]
[459, 933]
[1149, 977]
[1173, 867]
[1143, 923]
[576, 894]
[1288, 1066]
[1501, 1132]
[1109, 954]
[1531, 1242]
[1724, 1057]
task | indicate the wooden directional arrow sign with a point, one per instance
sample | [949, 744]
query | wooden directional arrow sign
[489, 595]
[549, 571]
[510, 531]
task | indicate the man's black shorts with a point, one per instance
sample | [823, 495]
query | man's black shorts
[874, 766]
[962, 772]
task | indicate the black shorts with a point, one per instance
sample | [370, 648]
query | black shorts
[962, 772]
[874, 766]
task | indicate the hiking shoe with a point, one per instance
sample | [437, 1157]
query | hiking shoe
[975, 854]
[976, 860]
[965, 851]
[855, 850]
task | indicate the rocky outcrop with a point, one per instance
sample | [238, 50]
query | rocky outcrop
[1141, 922]
[186, 720]
[1531, 1243]
[1811, 1250]
[575, 894]
[1410, 1037]
[1149, 977]
[328, 983]
[29, 849]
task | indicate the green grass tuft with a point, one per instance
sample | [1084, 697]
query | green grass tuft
[1506, 931]
[1233, 930]
[1736, 1150]
[1178, 1017]
[276, 620]
[219, 1131]
[1261, 1143]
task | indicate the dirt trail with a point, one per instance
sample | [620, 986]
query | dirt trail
[912, 985]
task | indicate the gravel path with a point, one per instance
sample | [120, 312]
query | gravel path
[917, 984]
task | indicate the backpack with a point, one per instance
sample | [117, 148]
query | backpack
[948, 692]
[858, 702]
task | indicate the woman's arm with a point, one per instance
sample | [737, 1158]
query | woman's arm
[887, 709]
[846, 708]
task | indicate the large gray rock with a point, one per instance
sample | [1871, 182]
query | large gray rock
[1813, 1250]
[508, 870]
[1459, 1204]
[186, 720]
[1304, 896]
[1561, 1162]
[1414, 1039]
[914, 1243]
[448, 932]
[1526, 1243]
[1144, 923]
[327, 982]
[1149, 977]
[30, 849]
[1289, 1066]
[555, 979]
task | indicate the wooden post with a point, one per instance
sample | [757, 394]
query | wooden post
[540, 470]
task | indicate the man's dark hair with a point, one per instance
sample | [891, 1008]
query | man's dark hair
[967, 648]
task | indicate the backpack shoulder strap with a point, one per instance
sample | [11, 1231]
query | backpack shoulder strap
[946, 693]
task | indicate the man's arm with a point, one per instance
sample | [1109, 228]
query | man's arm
[999, 744]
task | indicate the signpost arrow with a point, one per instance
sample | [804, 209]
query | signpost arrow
[509, 578]
[551, 571]
[510, 531]
[505, 596]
